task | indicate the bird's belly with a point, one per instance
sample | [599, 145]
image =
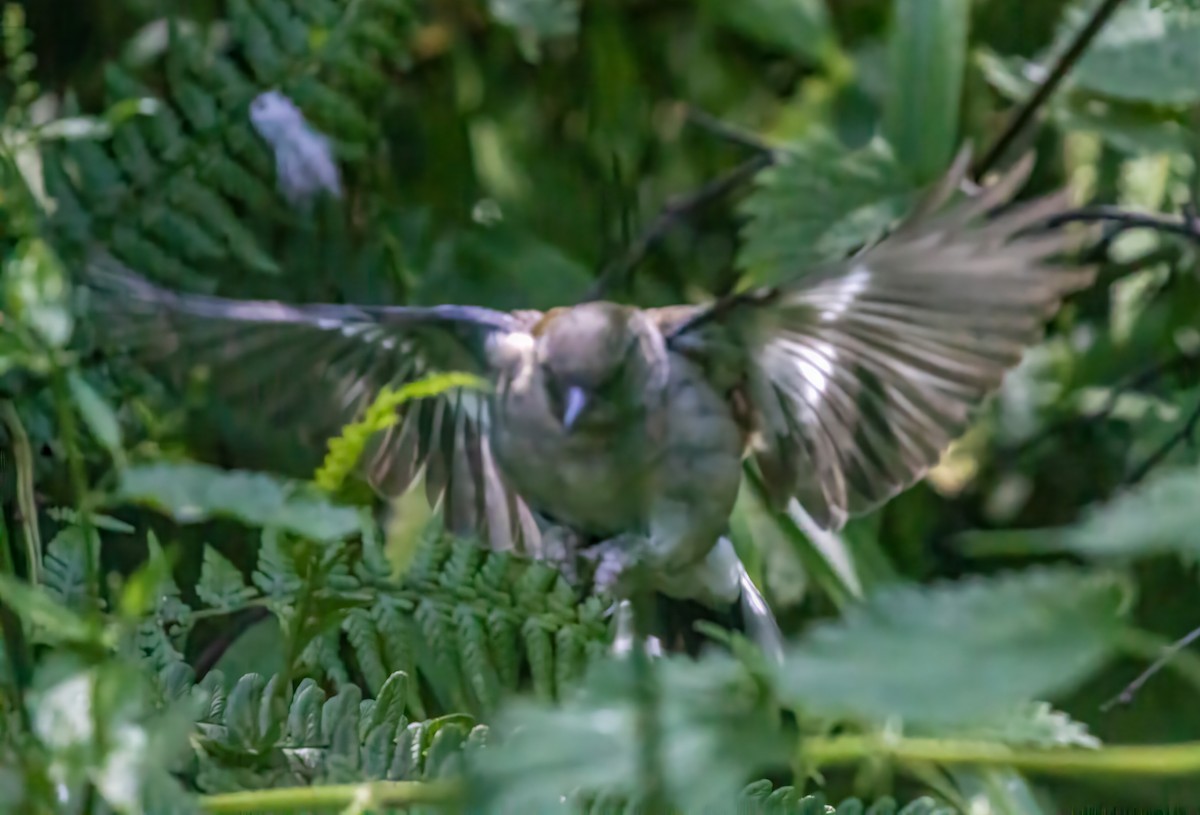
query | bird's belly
[594, 483]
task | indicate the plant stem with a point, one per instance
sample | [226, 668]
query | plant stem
[26, 503]
[1165, 655]
[651, 791]
[291, 799]
[1143, 760]
[1020, 120]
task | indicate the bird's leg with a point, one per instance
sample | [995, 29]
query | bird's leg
[614, 558]
[561, 547]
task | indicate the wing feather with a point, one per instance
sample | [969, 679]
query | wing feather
[322, 365]
[860, 373]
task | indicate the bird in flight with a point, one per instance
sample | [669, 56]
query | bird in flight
[842, 385]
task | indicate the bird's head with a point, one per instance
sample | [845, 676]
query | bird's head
[598, 363]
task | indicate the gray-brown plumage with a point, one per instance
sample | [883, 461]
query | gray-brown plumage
[844, 385]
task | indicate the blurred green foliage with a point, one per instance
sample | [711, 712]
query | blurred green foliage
[207, 621]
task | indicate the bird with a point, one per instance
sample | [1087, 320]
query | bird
[842, 385]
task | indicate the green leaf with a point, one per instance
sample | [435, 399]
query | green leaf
[222, 584]
[502, 267]
[38, 608]
[957, 652]
[799, 27]
[65, 567]
[1159, 516]
[192, 493]
[1032, 724]
[536, 21]
[1143, 54]
[928, 56]
[347, 447]
[97, 414]
[35, 292]
[589, 744]
[818, 205]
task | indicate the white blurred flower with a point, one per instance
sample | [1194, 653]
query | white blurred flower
[304, 163]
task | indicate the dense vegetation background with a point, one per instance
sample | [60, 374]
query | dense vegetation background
[191, 624]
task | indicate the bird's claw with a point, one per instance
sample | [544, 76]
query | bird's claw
[613, 559]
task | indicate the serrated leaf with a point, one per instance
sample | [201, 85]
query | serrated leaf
[222, 584]
[958, 651]
[193, 493]
[588, 743]
[820, 203]
[1159, 516]
[39, 609]
[1143, 54]
[1032, 724]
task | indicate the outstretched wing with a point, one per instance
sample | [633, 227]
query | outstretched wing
[857, 375]
[320, 365]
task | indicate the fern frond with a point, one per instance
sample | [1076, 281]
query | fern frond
[169, 192]
[347, 447]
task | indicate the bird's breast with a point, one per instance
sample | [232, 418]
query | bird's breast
[597, 480]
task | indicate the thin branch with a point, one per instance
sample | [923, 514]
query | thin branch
[1138, 380]
[1164, 658]
[1187, 226]
[676, 210]
[1185, 433]
[1024, 115]
[726, 131]
[26, 500]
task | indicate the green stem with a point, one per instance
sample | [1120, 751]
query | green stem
[649, 697]
[381, 794]
[1145, 760]
[26, 503]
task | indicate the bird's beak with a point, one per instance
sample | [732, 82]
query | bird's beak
[575, 403]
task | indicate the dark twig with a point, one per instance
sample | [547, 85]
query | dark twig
[726, 131]
[1131, 690]
[1140, 379]
[1187, 225]
[1024, 114]
[1184, 434]
[675, 211]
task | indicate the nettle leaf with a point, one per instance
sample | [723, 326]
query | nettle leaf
[192, 493]
[957, 652]
[1032, 724]
[544, 753]
[65, 567]
[1159, 516]
[41, 610]
[819, 204]
[536, 21]
[222, 584]
[1143, 54]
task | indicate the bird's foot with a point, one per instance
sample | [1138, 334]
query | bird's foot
[561, 548]
[614, 560]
